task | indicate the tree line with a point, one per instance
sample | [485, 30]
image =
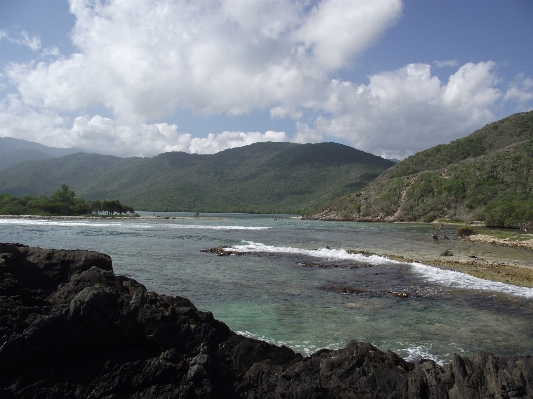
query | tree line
[62, 203]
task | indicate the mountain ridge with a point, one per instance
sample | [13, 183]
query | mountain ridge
[14, 151]
[262, 177]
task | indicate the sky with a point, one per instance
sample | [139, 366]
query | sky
[142, 77]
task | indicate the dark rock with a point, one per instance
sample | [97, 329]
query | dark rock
[361, 292]
[71, 328]
[447, 253]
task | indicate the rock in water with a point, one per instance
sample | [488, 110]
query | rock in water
[71, 328]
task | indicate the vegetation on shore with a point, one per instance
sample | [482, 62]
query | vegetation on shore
[62, 203]
[486, 176]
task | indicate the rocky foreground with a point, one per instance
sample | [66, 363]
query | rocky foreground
[71, 328]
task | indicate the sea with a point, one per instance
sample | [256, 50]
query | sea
[297, 283]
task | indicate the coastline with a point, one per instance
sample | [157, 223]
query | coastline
[528, 244]
[85, 217]
[515, 272]
[501, 270]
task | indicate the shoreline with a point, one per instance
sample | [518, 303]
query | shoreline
[501, 270]
[527, 244]
[59, 217]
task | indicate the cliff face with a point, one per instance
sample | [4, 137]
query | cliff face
[71, 328]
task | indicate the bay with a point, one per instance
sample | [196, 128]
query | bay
[294, 283]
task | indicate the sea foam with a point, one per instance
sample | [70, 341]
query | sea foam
[454, 279]
[127, 224]
[443, 277]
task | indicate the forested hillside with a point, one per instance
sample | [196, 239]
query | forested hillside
[485, 176]
[262, 177]
[14, 151]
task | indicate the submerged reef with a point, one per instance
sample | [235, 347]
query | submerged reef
[71, 328]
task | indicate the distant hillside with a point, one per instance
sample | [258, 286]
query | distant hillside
[487, 175]
[262, 177]
[14, 151]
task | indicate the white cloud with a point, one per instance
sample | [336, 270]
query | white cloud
[398, 113]
[305, 134]
[23, 39]
[336, 30]
[283, 112]
[217, 142]
[103, 134]
[20, 121]
[521, 90]
[143, 59]
[107, 136]
[49, 52]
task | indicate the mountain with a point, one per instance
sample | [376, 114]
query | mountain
[14, 151]
[487, 175]
[262, 177]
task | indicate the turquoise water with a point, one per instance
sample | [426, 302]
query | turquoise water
[296, 285]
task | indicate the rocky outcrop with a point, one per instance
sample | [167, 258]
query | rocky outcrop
[71, 328]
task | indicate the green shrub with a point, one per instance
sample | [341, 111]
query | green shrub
[509, 213]
[465, 231]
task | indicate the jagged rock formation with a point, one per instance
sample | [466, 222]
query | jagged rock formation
[71, 328]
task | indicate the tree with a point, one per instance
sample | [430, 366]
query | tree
[65, 195]
[62, 201]
[96, 206]
[114, 206]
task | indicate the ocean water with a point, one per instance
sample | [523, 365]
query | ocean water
[292, 282]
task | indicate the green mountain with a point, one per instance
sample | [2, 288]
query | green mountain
[262, 177]
[486, 176]
[14, 151]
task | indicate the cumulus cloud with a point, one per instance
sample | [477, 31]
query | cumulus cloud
[400, 112]
[105, 135]
[20, 121]
[333, 32]
[141, 60]
[217, 142]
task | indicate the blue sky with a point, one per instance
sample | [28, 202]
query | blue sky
[142, 77]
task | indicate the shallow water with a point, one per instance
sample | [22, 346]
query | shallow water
[289, 288]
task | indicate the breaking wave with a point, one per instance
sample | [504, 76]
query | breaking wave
[126, 224]
[436, 275]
